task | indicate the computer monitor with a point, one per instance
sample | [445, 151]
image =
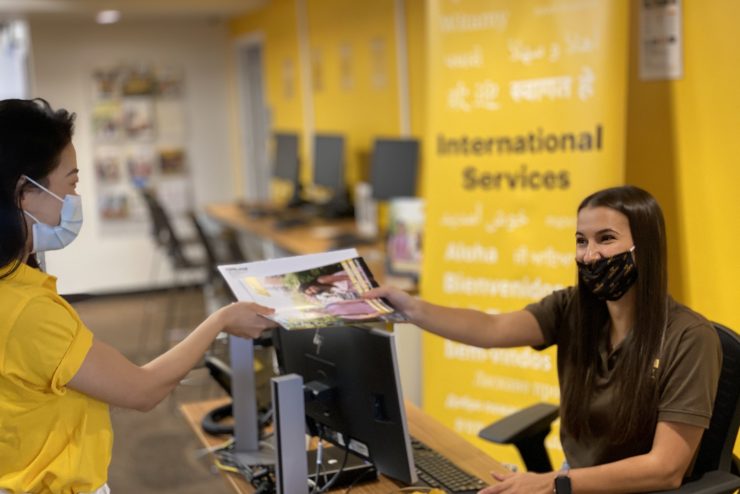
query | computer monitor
[329, 166]
[353, 392]
[394, 168]
[286, 164]
[328, 161]
[286, 157]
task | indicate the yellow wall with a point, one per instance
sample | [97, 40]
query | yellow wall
[681, 142]
[352, 51]
[368, 105]
[416, 43]
[683, 145]
[276, 26]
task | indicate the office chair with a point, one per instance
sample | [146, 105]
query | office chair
[221, 248]
[224, 248]
[164, 233]
[210, 249]
[716, 470]
[166, 238]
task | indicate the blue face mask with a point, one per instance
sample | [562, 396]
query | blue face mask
[48, 237]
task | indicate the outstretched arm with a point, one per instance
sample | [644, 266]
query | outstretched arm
[472, 327]
[662, 468]
[108, 376]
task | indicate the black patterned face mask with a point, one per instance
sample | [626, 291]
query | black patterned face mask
[611, 277]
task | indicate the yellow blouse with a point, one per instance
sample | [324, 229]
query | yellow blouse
[52, 438]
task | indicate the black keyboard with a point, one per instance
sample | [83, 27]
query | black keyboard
[346, 240]
[435, 470]
[290, 222]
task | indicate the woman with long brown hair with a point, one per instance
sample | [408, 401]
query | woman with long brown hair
[638, 371]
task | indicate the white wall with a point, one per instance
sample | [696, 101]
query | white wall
[64, 53]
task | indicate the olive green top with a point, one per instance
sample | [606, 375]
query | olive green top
[688, 374]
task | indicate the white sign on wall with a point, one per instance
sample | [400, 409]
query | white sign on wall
[661, 40]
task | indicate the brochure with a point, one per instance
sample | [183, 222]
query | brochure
[311, 291]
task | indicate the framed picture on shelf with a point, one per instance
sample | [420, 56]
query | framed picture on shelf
[140, 162]
[108, 167]
[139, 141]
[172, 161]
[106, 123]
[114, 206]
[138, 81]
[405, 229]
[106, 83]
[138, 118]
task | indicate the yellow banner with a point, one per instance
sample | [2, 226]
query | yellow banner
[526, 106]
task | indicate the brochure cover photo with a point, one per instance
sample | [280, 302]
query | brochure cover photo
[313, 291]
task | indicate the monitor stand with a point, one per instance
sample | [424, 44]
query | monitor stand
[339, 206]
[355, 468]
[247, 445]
[287, 449]
[296, 199]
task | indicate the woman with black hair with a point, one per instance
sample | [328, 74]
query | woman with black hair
[638, 371]
[56, 380]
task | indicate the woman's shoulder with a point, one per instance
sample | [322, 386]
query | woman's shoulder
[682, 317]
[19, 295]
[689, 326]
[561, 299]
[36, 311]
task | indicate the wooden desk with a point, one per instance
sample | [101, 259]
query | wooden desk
[306, 239]
[421, 426]
[303, 239]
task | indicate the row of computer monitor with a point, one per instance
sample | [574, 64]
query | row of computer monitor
[393, 168]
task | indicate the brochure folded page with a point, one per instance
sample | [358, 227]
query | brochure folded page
[311, 291]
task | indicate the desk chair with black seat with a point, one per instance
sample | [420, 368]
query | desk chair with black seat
[716, 470]
[182, 264]
[224, 248]
[220, 248]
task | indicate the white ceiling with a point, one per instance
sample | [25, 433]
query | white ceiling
[130, 9]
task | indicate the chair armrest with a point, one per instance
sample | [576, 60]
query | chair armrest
[714, 482]
[219, 371]
[525, 423]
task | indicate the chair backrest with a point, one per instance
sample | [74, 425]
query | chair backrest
[223, 249]
[207, 245]
[715, 450]
[163, 231]
[157, 216]
[234, 249]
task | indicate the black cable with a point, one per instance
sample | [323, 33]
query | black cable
[354, 482]
[339, 472]
[315, 488]
[262, 480]
[260, 477]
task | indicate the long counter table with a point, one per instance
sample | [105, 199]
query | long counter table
[422, 426]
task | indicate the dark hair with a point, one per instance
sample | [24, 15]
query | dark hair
[32, 138]
[635, 403]
[312, 283]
